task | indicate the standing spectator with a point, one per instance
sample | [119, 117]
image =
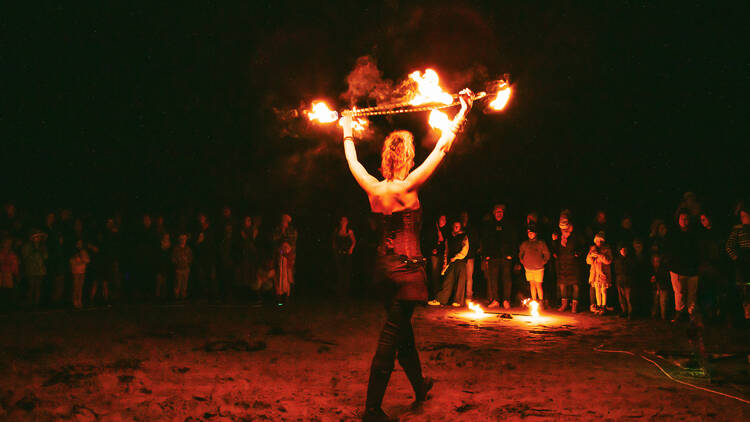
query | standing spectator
[163, 265]
[498, 246]
[227, 260]
[436, 238]
[626, 235]
[658, 236]
[248, 252]
[182, 258]
[625, 273]
[600, 274]
[56, 264]
[534, 255]
[145, 255]
[599, 224]
[205, 256]
[265, 279]
[682, 255]
[8, 273]
[473, 236]
[35, 256]
[710, 275]
[457, 248]
[738, 249]
[641, 291]
[660, 283]
[78, 263]
[568, 252]
[285, 244]
[110, 256]
[343, 242]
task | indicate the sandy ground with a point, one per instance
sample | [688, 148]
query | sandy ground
[310, 361]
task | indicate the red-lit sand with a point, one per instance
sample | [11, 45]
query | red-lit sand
[311, 360]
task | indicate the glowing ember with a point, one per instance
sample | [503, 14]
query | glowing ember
[322, 113]
[478, 312]
[533, 306]
[503, 95]
[439, 120]
[428, 89]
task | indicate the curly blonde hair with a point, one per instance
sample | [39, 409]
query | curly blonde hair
[398, 155]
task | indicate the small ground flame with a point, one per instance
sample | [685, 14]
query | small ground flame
[533, 306]
[478, 312]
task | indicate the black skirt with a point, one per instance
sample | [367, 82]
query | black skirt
[401, 278]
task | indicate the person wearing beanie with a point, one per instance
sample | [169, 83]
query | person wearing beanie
[568, 248]
[534, 254]
[600, 276]
[682, 255]
[35, 256]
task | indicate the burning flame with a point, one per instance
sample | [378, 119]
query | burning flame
[359, 124]
[478, 312]
[533, 306]
[439, 120]
[503, 95]
[428, 89]
[322, 113]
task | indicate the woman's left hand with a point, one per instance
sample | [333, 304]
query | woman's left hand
[467, 99]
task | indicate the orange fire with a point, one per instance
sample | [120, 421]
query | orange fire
[428, 89]
[322, 113]
[478, 312]
[503, 95]
[439, 120]
[533, 306]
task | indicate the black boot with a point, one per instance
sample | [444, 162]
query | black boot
[427, 384]
[376, 386]
[376, 415]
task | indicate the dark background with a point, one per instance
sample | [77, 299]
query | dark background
[137, 106]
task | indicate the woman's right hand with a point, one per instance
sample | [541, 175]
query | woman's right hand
[346, 123]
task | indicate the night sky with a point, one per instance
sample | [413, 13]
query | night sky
[135, 105]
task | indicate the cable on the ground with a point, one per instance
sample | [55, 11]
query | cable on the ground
[599, 349]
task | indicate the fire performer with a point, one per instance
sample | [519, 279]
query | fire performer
[400, 274]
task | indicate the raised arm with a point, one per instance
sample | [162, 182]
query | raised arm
[365, 179]
[420, 175]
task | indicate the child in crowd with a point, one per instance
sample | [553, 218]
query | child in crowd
[265, 279]
[164, 264]
[78, 263]
[182, 258]
[8, 273]
[625, 274]
[600, 275]
[660, 283]
[534, 254]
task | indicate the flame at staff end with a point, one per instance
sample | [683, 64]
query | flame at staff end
[503, 95]
[428, 89]
[322, 113]
[440, 121]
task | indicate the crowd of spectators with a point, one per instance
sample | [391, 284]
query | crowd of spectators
[664, 272]
[81, 261]
[667, 272]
